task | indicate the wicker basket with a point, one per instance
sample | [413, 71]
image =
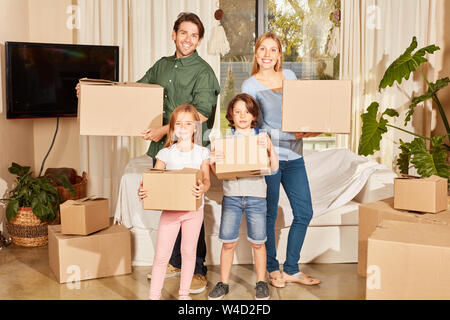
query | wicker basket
[27, 230]
[80, 186]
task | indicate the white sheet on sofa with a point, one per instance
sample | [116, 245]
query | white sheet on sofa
[327, 244]
[335, 176]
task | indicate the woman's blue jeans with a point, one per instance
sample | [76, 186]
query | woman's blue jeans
[292, 175]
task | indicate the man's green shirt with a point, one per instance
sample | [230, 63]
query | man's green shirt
[186, 80]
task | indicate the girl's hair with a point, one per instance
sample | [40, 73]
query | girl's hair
[250, 103]
[261, 38]
[187, 108]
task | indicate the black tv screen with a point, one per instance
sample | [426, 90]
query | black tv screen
[41, 77]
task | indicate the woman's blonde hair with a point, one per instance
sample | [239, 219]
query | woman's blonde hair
[188, 108]
[261, 38]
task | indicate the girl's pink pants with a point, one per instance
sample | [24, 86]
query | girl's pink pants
[169, 226]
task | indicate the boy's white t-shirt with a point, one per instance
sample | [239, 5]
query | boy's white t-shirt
[177, 160]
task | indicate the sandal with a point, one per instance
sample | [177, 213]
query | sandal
[301, 278]
[276, 279]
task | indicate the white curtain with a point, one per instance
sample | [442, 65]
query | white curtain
[373, 34]
[142, 29]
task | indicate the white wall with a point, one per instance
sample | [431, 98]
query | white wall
[16, 136]
[27, 141]
[47, 23]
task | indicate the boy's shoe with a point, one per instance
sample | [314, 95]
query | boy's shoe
[198, 284]
[219, 291]
[262, 291]
[170, 272]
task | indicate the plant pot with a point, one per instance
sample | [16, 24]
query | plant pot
[27, 230]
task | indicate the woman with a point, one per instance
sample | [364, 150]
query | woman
[265, 85]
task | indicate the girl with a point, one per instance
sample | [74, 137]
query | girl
[243, 194]
[265, 85]
[180, 152]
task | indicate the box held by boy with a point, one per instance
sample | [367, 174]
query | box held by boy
[317, 106]
[408, 261]
[243, 157]
[421, 194]
[171, 189]
[373, 214]
[101, 254]
[84, 216]
[107, 108]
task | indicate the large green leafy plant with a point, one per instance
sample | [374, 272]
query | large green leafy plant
[427, 161]
[35, 192]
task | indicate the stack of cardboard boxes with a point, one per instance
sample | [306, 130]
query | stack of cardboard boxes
[404, 242]
[85, 245]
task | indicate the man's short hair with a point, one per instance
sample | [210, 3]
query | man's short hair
[191, 17]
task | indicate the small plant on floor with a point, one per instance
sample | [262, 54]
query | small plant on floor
[35, 192]
[427, 162]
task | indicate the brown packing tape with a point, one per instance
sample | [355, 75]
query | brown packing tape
[90, 198]
[184, 170]
[96, 81]
[407, 176]
[82, 201]
[156, 170]
[88, 81]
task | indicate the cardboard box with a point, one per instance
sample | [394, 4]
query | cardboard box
[107, 108]
[84, 216]
[317, 106]
[409, 261]
[373, 214]
[243, 157]
[171, 189]
[102, 254]
[421, 194]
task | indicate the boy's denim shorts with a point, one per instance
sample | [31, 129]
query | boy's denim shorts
[255, 210]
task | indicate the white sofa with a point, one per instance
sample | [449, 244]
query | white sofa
[332, 236]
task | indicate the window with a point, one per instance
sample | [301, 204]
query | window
[307, 29]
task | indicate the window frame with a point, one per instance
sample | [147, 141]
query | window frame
[259, 30]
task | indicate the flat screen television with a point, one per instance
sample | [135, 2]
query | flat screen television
[41, 77]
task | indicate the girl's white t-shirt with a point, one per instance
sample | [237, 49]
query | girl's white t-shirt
[177, 160]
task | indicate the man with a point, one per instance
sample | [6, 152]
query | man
[186, 78]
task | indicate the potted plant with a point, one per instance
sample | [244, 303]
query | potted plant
[32, 204]
[427, 160]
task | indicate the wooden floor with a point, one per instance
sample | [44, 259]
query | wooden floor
[25, 274]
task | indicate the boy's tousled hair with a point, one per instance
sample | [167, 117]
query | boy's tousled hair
[250, 103]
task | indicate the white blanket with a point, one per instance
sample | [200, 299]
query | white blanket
[335, 176]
